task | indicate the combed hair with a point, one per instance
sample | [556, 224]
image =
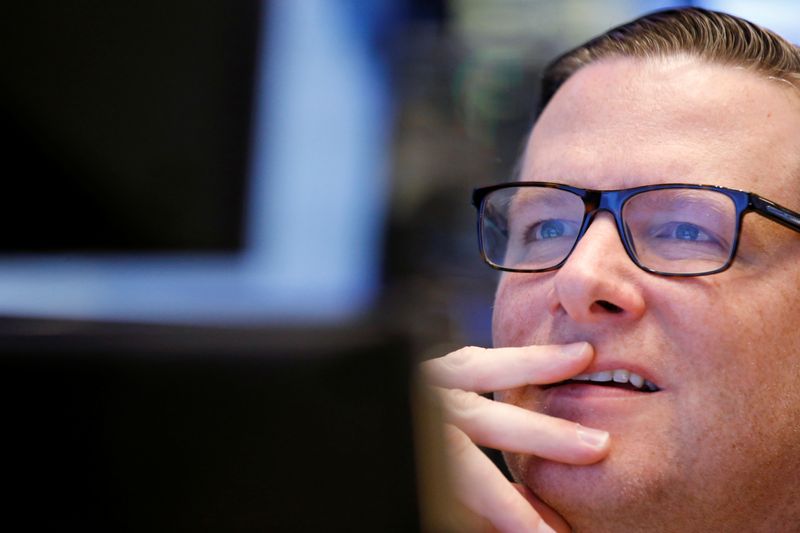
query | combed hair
[709, 35]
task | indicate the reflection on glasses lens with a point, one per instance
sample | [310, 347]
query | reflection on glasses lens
[681, 230]
[539, 226]
[671, 230]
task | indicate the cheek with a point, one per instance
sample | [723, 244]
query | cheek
[736, 330]
[737, 355]
[519, 310]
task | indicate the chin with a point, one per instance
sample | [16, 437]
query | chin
[624, 492]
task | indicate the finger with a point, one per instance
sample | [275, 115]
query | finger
[481, 487]
[492, 369]
[548, 514]
[514, 429]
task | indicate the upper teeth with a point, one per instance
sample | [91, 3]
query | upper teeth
[619, 376]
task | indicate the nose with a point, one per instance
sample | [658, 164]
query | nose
[597, 281]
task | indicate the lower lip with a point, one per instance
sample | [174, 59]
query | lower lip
[597, 405]
[589, 391]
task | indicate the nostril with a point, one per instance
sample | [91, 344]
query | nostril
[608, 306]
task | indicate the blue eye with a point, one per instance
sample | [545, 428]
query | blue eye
[551, 229]
[687, 232]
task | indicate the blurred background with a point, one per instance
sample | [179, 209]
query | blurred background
[274, 162]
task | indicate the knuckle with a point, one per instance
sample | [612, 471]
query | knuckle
[462, 403]
[456, 440]
[452, 369]
[464, 363]
[460, 358]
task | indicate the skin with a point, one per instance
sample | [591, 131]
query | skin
[718, 448]
[490, 502]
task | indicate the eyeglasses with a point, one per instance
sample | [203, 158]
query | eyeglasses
[669, 229]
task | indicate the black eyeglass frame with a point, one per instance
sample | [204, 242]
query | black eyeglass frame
[612, 201]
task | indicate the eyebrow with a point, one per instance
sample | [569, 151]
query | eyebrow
[525, 195]
[687, 198]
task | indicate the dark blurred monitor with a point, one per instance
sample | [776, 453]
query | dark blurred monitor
[151, 428]
[162, 161]
[125, 126]
[141, 184]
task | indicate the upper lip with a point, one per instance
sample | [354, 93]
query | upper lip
[612, 365]
[620, 352]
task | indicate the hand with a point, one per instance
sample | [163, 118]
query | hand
[472, 420]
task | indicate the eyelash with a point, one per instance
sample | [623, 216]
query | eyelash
[672, 227]
[530, 236]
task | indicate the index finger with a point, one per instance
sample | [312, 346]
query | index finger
[492, 369]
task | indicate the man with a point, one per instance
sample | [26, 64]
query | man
[646, 355]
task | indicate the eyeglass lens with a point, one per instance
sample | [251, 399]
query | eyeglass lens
[676, 230]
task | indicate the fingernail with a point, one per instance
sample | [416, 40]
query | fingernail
[577, 350]
[595, 438]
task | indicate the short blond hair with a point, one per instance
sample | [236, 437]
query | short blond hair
[709, 35]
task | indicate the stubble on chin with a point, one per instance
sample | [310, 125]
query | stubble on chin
[595, 498]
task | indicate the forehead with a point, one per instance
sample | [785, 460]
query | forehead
[627, 122]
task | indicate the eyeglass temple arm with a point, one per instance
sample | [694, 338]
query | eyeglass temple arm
[477, 197]
[773, 211]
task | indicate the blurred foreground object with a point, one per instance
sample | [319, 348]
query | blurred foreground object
[133, 428]
[184, 163]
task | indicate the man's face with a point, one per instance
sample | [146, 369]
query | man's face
[721, 439]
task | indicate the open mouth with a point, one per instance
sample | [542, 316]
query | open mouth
[621, 379]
